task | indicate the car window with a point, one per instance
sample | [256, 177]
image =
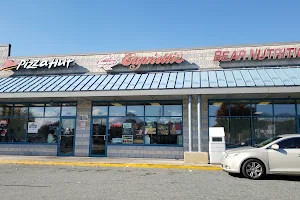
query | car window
[291, 143]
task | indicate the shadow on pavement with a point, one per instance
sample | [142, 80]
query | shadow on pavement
[283, 178]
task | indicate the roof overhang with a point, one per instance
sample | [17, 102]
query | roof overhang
[110, 93]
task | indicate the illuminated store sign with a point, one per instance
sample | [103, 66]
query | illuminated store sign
[34, 64]
[257, 54]
[134, 61]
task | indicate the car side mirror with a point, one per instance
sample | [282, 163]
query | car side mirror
[275, 147]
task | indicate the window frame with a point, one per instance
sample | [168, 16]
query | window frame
[143, 103]
[27, 117]
[252, 102]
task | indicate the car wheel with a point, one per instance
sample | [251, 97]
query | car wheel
[253, 169]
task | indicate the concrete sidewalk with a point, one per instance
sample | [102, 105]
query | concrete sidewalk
[104, 162]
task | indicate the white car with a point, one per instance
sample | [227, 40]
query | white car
[278, 155]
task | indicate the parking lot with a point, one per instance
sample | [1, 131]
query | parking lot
[55, 182]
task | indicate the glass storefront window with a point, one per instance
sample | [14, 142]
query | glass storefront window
[100, 110]
[6, 110]
[284, 108]
[124, 130]
[41, 130]
[13, 129]
[262, 108]
[135, 110]
[68, 111]
[20, 110]
[240, 108]
[143, 123]
[52, 111]
[172, 110]
[36, 110]
[239, 132]
[154, 109]
[263, 129]
[218, 108]
[164, 130]
[284, 125]
[117, 109]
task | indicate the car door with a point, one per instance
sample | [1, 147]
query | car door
[287, 158]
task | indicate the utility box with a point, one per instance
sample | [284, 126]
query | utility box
[216, 144]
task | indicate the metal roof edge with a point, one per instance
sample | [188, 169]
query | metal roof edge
[4, 45]
[160, 50]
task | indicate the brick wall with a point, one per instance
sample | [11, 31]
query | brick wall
[28, 149]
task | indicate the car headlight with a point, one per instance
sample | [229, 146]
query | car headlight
[231, 155]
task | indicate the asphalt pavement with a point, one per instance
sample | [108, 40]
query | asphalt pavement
[29, 182]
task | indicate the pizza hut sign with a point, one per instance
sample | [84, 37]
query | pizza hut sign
[35, 64]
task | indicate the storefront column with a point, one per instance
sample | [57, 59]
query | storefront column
[199, 122]
[83, 128]
[190, 122]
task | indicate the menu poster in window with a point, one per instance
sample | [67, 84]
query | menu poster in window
[127, 129]
[150, 128]
[127, 139]
[3, 127]
[163, 129]
[175, 128]
[33, 127]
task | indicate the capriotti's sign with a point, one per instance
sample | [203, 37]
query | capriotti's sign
[257, 54]
[34, 64]
[134, 61]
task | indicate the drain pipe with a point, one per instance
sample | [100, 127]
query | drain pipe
[199, 122]
[190, 122]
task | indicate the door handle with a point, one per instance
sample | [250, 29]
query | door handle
[105, 138]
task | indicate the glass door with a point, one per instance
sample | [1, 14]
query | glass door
[66, 138]
[98, 137]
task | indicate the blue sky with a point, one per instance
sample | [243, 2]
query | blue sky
[65, 27]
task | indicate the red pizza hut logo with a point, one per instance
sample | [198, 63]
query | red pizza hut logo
[107, 63]
[9, 65]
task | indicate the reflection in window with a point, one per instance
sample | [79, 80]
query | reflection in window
[39, 129]
[68, 111]
[20, 111]
[6, 110]
[263, 129]
[155, 109]
[172, 110]
[13, 130]
[285, 125]
[52, 111]
[164, 130]
[284, 108]
[37, 111]
[135, 110]
[262, 108]
[100, 110]
[218, 109]
[127, 130]
[240, 108]
[240, 132]
[117, 110]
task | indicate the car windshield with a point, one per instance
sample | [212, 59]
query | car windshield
[268, 141]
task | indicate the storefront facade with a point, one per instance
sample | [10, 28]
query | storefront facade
[156, 104]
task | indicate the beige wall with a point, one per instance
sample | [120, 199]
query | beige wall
[194, 59]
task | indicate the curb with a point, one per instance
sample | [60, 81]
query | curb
[94, 164]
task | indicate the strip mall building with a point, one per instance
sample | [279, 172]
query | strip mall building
[150, 104]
